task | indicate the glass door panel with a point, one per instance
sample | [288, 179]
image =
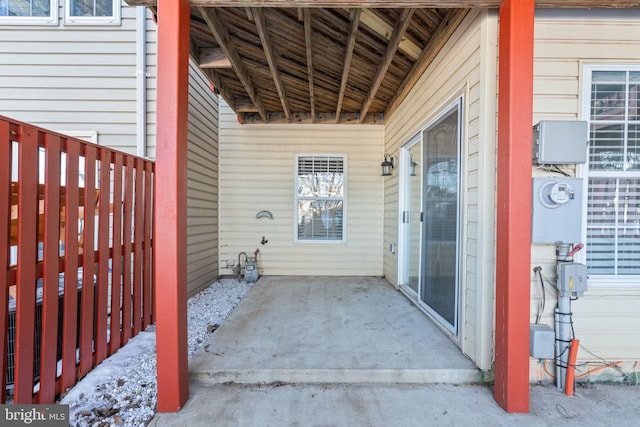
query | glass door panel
[439, 285]
[413, 177]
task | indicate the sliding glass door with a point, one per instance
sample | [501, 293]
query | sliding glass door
[430, 210]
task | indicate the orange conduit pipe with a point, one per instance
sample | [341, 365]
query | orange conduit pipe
[571, 367]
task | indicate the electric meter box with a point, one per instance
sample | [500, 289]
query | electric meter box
[556, 210]
[560, 142]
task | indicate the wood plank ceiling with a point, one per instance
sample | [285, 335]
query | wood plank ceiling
[345, 64]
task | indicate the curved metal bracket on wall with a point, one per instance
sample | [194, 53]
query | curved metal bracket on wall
[264, 214]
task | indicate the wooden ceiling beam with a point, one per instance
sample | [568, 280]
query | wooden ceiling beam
[385, 62]
[308, 40]
[213, 57]
[267, 46]
[378, 25]
[447, 27]
[220, 32]
[613, 4]
[244, 105]
[354, 18]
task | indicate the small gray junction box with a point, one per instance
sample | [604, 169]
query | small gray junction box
[560, 142]
[572, 278]
[541, 341]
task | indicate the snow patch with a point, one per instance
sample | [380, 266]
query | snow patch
[122, 390]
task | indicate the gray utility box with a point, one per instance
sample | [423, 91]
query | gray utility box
[560, 142]
[541, 341]
[557, 210]
[572, 278]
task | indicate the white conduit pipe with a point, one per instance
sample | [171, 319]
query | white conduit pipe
[141, 81]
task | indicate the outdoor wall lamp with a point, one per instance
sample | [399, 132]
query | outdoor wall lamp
[387, 164]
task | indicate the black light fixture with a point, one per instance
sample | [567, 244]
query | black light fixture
[387, 164]
[412, 167]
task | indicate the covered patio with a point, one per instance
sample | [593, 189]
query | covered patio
[176, 41]
[309, 331]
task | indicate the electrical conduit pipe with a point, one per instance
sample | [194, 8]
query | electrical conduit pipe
[571, 367]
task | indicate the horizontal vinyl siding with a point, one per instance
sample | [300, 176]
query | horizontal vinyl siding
[257, 172]
[73, 78]
[202, 191]
[606, 318]
[466, 64]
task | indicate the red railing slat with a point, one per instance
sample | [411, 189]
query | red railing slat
[102, 288]
[88, 268]
[148, 217]
[27, 257]
[126, 236]
[137, 251]
[69, 323]
[116, 266]
[153, 258]
[49, 346]
[70, 305]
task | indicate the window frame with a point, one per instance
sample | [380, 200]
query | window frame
[114, 19]
[51, 20]
[584, 171]
[343, 240]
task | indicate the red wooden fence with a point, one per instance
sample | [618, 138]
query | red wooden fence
[76, 214]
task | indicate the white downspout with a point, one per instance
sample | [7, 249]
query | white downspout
[141, 81]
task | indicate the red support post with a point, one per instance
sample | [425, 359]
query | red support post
[171, 206]
[513, 251]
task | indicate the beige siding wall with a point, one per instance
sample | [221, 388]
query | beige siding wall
[76, 78]
[606, 319]
[202, 192]
[466, 66]
[82, 79]
[257, 172]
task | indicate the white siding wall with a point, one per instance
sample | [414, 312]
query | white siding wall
[466, 66]
[74, 78]
[257, 172]
[606, 319]
[202, 193]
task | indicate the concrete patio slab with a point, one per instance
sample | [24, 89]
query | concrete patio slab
[406, 405]
[329, 330]
[319, 351]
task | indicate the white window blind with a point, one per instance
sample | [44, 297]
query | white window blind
[29, 12]
[613, 200]
[92, 12]
[320, 190]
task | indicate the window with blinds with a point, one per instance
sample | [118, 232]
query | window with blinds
[613, 200]
[320, 192]
[28, 12]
